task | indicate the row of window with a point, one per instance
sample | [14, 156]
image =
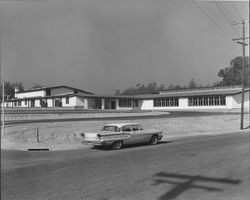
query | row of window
[207, 101]
[163, 102]
[193, 101]
[166, 102]
[42, 102]
[128, 103]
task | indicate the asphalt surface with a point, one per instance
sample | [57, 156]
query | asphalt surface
[171, 115]
[197, 168]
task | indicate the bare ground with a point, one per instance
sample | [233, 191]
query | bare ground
[66, 135]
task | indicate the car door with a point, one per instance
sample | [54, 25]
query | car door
[138, 135]
[128, 130]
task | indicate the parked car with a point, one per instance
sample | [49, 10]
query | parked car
[120, 134]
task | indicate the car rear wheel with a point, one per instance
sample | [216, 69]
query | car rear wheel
[154, 140]
[117, 145]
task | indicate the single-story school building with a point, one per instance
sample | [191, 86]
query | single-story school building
[226, 97]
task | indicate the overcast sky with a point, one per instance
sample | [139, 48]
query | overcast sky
[103, 45]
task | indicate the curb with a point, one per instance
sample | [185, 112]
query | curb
[183, 136]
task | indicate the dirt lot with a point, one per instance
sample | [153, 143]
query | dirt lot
[66, 135]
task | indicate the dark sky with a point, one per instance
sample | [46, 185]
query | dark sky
[103, 45]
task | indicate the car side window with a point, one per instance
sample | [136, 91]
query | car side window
[126, 128]
[135, 128]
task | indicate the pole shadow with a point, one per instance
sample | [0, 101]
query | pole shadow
[183, 182]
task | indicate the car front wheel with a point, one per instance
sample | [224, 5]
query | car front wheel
[117, 145]
[154, 140]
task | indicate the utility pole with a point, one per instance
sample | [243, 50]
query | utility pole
[3, 93]
[243, 71]
[3, 114]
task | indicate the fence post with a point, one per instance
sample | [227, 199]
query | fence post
[37, 135]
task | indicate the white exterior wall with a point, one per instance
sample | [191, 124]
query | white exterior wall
[72, 102]
[39, 93]
[183, 103]
[7, 104]
[103, 104]
[117, 104]
[147, 104]
[37, 103]
[236, 100]
[229, 102]
[79, 101]
[50, 102]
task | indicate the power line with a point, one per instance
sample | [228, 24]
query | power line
[223, 12]
[236, 10]
[211, 19]
[227, 12]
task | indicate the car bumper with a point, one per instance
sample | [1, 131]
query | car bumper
[98, 143]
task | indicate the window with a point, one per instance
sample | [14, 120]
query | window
[111, 128]
[205, 101]
[211, 101]
[125, 103]
[135, 127]
[127, 128]
[217, 101]
[25, 102]
[166, 102]
[194, 101]
[190, 101]
[135, 103]
[48, 92]
[19, 103]
[222, 100]
[67, 100]
[200, 102]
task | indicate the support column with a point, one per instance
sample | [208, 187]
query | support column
[117, 104]
[103, 103]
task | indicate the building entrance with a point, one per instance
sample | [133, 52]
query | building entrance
[113, 105]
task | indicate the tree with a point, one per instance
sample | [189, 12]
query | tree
[192, 84]
[151, 88]
[9, 89]
[232, 75]
[117, 91]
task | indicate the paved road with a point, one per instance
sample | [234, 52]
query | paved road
[202, 168]
[171, 115]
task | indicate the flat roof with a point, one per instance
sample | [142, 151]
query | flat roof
[191, 94]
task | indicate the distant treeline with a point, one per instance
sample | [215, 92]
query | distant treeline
[231, 75]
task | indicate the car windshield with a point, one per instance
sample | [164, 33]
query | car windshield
[111, 128]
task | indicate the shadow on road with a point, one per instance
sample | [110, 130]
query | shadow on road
[183, 183]
[129, 146]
